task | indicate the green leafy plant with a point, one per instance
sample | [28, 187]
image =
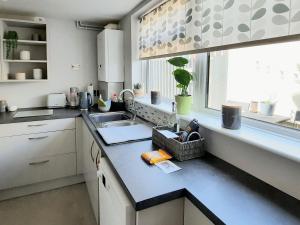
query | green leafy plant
[11, 41]
[182, 76]
[138, 86]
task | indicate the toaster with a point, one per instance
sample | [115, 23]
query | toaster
[56, 100]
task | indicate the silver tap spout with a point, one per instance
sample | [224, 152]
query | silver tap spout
[133, 103]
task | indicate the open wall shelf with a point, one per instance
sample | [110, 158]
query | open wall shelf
[37, 48]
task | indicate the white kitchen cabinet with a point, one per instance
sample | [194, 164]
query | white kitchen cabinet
[32, 158]
[34, 127]
[115, 207]
[169, 213]
[110, 56]
[193, 216]
[91, 154]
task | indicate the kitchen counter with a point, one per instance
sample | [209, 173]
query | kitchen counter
[224, 193]
[7, 117]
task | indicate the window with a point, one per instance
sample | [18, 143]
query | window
[264, 80]
[159, 76]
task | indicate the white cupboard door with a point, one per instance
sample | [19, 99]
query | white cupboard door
[169, 213]
[28, 159]
[115, 56]
[113, 200]
[92, 181]
[193, 216]
[101, 45]
[90, 149]
[35, 127]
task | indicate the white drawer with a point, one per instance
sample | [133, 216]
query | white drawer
[17, 152]
[37, 145]
[38, 170]
[33, 127]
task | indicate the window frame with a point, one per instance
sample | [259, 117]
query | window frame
[258, 124]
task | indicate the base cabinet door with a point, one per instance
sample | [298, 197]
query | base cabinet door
[193, 216]
[169, 213]
[28, 159]
[115, 207]
[90, 151]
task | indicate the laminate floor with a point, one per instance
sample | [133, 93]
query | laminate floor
[65, 206]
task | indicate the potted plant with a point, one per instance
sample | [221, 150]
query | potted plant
[138, 90]
[11, 43]
[183, 79]
[267, 108]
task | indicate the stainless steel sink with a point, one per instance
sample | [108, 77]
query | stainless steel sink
[111, 119]
[120, 123]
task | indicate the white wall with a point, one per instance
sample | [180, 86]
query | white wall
[282, 173]
[66, 45]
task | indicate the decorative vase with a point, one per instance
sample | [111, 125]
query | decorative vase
[184, 104]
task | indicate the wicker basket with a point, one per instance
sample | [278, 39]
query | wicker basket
[180, 150]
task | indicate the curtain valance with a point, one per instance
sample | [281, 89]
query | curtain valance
[184, 25]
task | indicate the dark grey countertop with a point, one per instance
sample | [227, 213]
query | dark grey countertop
[57, 114]
[224, 193]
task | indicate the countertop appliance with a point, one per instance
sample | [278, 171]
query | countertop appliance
[113, 198]
[85, 100]
[73, 97]
[56, 100]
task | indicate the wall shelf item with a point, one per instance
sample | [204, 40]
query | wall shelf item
[32, 37]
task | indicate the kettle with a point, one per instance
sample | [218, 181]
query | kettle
[85, 100]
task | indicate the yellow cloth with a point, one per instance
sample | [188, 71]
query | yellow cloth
[156, 156]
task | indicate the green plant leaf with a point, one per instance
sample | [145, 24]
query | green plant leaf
[180, 86]
[182, 76]
[178, 61]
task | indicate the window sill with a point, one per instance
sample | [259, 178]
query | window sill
[282, 145]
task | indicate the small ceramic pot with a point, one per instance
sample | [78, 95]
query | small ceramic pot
[25, 55]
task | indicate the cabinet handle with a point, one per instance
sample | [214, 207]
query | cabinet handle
[36, 125]
[92, 151]
[37, 138]
[97, 160]
[38, 163]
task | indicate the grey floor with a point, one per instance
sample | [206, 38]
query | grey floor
[65, 206]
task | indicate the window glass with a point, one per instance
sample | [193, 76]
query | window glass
[264, 80]
[159, 76]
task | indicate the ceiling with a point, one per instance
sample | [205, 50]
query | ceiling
[85, 10]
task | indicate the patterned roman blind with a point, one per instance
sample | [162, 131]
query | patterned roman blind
[179, 26]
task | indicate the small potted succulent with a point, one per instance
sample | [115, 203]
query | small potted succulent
[183, 79]
[11, 38]
[138, 90]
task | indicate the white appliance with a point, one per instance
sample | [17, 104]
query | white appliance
[110, 56]
[56, 100]
[115, 207]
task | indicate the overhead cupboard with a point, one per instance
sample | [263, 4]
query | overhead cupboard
[23, 58]
[181, 26]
